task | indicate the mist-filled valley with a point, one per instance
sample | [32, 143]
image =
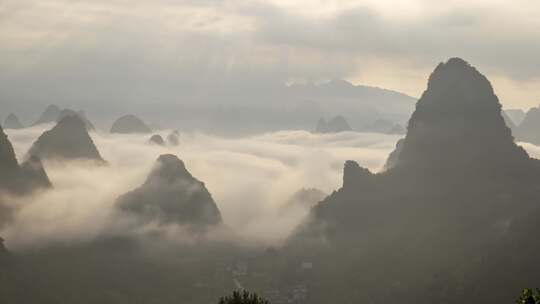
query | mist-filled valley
[269, 152]
[250, 178]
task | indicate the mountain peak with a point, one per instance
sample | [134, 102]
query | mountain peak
[49, 115]
[171, 195]
[354, 175]
[13, 122]
[69, 139]
[335, 125]
[130, 124]
[170, 168]
[458, 120]
[19, 179]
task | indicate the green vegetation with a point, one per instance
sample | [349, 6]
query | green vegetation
[242, 297]
[528, 296]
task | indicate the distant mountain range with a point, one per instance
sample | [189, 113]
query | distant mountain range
[235, 109]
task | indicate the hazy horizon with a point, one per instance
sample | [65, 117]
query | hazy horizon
[115, 56]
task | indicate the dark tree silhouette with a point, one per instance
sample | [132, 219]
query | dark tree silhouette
[528, 296]
[242, 297]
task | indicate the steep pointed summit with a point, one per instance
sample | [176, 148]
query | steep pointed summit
[50, 114]
[34, 174]
[458, 184]
[171, 194]
[80, 114]
[458, 121]
[529, 128]
[9, 167]
[17, 179]
[69, 139]
[12, 122]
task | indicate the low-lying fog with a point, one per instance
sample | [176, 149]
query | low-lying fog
[250, 179]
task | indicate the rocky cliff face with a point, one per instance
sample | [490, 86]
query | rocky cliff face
[444, 205]
[171, 195]
[458, 121]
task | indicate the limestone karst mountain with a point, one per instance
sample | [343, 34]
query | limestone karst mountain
[529, 129]
[80, 114]
[19, 179]
[12, 122]
[335, 125]
[516, 115]
[438, 212]
[34, 174]
[68, 140]
[384, 126]
[10, 169]
[130, 124]
[54, 114]
[174, 138]
[171, 195]
[156, 139]
[50, 115]
[458, 119]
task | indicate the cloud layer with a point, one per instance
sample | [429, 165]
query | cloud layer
[119, 52]
[250, 179]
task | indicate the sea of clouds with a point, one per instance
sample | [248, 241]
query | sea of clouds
[250, 178]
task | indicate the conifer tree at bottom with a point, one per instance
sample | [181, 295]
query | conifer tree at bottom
[242, 297]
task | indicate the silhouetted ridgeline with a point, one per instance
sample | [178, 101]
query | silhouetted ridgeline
[334, 125]
[427, 226]
[171, 194]
[69, 139]
[12, 122]
[130, 124]
[17, 178]
[51, 114]
[452, 219]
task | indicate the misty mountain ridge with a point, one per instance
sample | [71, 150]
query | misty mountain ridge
[459, 173]
[171, 195]
[156, 139]
[129, 124]
[231, 109]
[80, 114]
[49, 115]
[458, 119]
[335, 125]
[67, 140]
[17, 179]
[449, 220]
[528, 129]
[12, 122]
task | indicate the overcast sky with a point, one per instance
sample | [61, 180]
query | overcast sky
[92, 49]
